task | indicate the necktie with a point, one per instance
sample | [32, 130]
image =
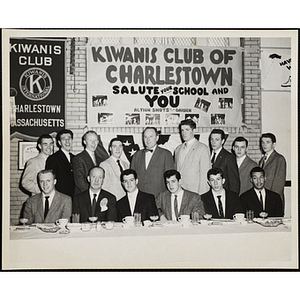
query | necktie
[263, 161]
[213, 158]
[176, 207]
[149, 150]
[221, 213]
[119, 164]
[94, 205]
[46, 206]
[261, 200]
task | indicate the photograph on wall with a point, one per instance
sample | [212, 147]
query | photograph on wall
[202, 104]
[225, 103]
[27, 150]
[99, 100]
[217, 119]
[105, 118]
[172, 119]
[152, 119]
[132, 119]
[194, 117]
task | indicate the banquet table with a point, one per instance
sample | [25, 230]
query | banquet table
[211, 244]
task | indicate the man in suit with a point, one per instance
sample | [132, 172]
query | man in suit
[244, 162]
[91, 156]
[45, 146]
[226, 161]
[95, 202]
[218, 201]
[259, 199]
[177, 201]
[192, 159]
[274, 165]
[113, 167]
[61, 163]
[151, 163]
[49, 205]
[135, 201]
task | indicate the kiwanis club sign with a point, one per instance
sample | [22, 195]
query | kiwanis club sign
[37, 89]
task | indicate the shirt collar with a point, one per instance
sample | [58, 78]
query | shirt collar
[67, 153]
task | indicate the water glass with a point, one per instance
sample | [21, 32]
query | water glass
[137, 219]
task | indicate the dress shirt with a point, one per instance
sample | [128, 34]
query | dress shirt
[67, 154]
[263, 193]
[149, 155]
[92, 195]
[115, 160]
[132, 199]
[239, 160]
[223, 199]
[217, 153]
[184, 150]
[179, 200]
[51, 196]
[267, 155]
[92, 155]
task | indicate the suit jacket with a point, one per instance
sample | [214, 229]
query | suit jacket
[145, 205]
[194, 168]
[33, 166]
[63, 169]
[60, 208]
[112, 181]
[82, 163]
[244, 171]
[232, 204]
[151, 180]
[226, 161]
[273, 203]
[82, 204]
[191, 202]
[275, 169]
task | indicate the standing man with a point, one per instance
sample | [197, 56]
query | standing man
[87, 159]
[95, 202]
[61, 163]
[113, 167]
[259, 199]
[244, 162]
[49, 205]
[45, 146]
[274, 165]
[218, 201]
[151, 163]
[176, 201]
[135, 201]
[192, 159]
[226, 161]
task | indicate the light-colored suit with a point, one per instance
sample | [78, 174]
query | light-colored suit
[112, 181]
[194, 168]
[151, 180]
[275, 170]
[60, 208]
[33, 166]
[191, 202]
[244, 171]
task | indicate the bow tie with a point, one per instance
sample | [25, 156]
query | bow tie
[149, 150]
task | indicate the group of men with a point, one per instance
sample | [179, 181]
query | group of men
[197, 179]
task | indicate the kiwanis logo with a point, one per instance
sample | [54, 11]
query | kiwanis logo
[35, 84]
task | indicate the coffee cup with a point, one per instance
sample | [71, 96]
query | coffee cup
[239, 217]
[147, 223]
[109, 225]
[184, 218]
[129, 220]
[86, 226]
[62, 223]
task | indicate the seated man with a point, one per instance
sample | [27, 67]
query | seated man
[135, 201]
[259, 199]
[95, 202]
[176, 201]
[49, 205]
[219, 202]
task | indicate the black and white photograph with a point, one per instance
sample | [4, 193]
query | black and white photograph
[141, 162]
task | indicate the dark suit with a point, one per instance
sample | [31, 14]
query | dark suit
[82, 163]
[60, 208]
[232, 204]
[191, 202]
[244, 171]
[273, 203]
[82, 204]
[63, 169]
[151, 180]
[145, 205]
[226, 161]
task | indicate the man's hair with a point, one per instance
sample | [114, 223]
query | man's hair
[153, 128]
[60, 133]
[170, 173]
[46, 171]
[239, 139]
[269, 135]
[40, 139]
[96, 167]
[83, 139]
[214, 171]
[128, 172]
[188, 122]
[111, 142]
[256, 170]
[218, 131]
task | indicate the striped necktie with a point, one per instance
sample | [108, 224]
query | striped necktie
[213, 158]
[221, 212]
[94, 205]
[176, 207]
[261, 200]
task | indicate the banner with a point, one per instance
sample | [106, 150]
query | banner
[159, 85]
[37, 86]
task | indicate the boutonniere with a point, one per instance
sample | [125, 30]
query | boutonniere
[103, 204]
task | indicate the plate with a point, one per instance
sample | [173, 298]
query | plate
[70, 225]
[268, 223]
[49, 228]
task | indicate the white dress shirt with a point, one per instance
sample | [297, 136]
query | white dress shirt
[223, 199]
[132, 199]
[92, 195]
[92, 155]
[179, 201]
[50, 199]
[67, 154]
[263, 193]
[217, 153]
[149, 155]
[239, 160]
